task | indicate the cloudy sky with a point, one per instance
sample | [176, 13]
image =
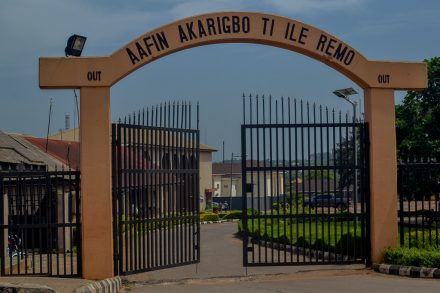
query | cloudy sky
[216, 75]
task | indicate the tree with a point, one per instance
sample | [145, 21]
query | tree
[418, 119]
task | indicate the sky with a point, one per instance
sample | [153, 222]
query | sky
[216, 76]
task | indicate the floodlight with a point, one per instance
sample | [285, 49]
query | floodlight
[75, 45]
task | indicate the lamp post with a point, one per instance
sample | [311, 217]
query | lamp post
[345, 94]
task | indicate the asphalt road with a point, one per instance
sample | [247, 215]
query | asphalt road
[221, 270]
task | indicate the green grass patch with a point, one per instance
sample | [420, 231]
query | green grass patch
[334, 236]
[428, 257]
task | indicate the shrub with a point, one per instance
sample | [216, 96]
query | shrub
[232, 215]
[412, 257]
[209, 217]
[320, 245]
[302, 242]
[347, 243]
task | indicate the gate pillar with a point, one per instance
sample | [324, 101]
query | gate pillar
[96, 191]
[380, 115]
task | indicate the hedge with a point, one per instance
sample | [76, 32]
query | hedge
[428, 257]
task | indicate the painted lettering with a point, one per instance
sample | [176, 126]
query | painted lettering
[333, 48]
[150, 44]
[296, 34]
[383, 78]
[303, 35]
[94, 75]
[209, 27]
[265, 25]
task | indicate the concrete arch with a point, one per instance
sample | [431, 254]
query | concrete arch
[230, 27]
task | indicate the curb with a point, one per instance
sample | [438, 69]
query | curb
[218, 222]
[25, 288]
[111, 285]
[408, 271]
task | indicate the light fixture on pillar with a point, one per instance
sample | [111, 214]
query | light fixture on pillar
[345, 94]
[75, 45]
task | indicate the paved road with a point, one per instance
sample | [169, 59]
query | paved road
[221, 270]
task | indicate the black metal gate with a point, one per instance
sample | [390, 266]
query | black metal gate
[156, 189]
[305, 182]
[40, 223]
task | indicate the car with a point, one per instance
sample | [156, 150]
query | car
[338, 201]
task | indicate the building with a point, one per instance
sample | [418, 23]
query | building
[205, 188]
[227, 182]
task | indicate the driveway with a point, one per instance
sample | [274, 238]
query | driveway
[221, 270]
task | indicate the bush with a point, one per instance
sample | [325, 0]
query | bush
[209, 217]
[347, 243]
[232, 215]
[412, 257]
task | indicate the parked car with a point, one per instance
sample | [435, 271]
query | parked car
[338, 201]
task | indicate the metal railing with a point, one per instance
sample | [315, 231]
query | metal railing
[419, 203]
[40, 223]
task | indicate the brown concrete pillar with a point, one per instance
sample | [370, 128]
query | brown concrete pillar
[380, 114]
[96, 203]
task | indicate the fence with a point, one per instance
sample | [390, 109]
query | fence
[419, 204]
[40, 223]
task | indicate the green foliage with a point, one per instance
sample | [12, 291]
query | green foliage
[319, 235]
[418, 117]
[412, 257]
[209, 217]
[233, 215]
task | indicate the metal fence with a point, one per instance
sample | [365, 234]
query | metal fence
[40, 223]
[419, 203]
[310, 165]
[156, 189]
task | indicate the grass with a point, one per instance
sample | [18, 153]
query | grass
[341, 237]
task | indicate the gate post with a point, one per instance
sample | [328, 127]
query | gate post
[96, 185]
[380, 115]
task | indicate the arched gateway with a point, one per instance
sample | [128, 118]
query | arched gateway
[95, 75]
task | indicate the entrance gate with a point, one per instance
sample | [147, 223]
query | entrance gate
[155, 190]
[306, 187]
[378, 79]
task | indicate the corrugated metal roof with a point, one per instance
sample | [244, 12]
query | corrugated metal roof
[15, 152]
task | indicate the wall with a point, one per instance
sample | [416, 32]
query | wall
[205, 171]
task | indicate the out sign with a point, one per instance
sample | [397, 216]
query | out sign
[383, 78]
[94, 75]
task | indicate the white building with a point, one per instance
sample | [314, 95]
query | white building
[264, 184]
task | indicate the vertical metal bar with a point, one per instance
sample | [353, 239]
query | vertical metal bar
[265, 195]
[297, 182]
[3, 225]
[198, 184]
[168, 179]
[244, 198]
[258, 179]
[283, 178]
[309, 218]
[277, 190]
[271, 179]
[290, 181]
[305, 219]
[252, 175]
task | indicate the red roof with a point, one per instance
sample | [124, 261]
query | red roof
[66, 152]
